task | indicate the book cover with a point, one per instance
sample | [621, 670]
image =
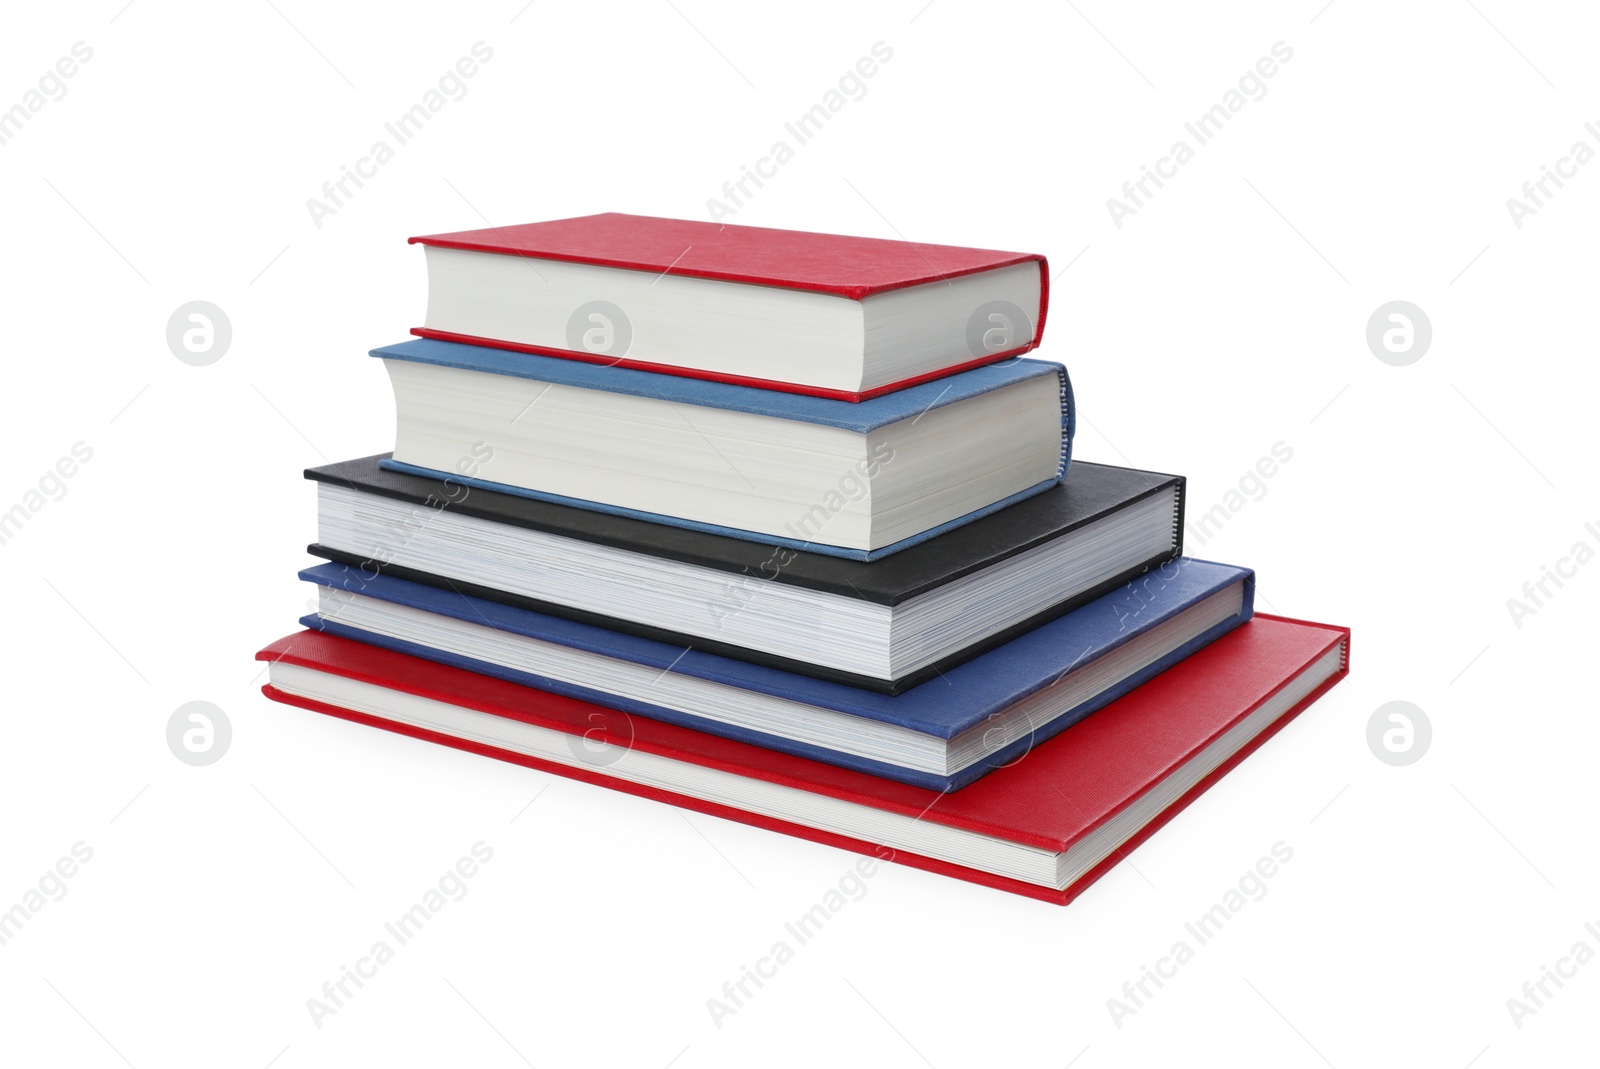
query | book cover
[849, 267]
[862, 418]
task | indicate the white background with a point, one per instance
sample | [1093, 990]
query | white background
[1225, 316]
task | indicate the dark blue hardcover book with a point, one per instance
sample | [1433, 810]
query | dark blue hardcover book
[940, 735]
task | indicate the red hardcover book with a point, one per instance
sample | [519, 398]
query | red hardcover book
[1046, 826]
[820, 314]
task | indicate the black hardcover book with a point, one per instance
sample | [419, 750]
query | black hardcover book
[884, 625]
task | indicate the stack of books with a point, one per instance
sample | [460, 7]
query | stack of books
[782, 527]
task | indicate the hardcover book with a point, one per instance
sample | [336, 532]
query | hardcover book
[1046, 826]
[820, 314]
[942, 735]
[855, 480]
[885, 625]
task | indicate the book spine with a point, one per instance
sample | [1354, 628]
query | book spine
[1044, 302]
[1069, 421]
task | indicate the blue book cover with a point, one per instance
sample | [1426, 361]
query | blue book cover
[956, 701]
[861, 417]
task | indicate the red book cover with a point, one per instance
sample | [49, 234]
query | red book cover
[850, 267]
[1055, 796]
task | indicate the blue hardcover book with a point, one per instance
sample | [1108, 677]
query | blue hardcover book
[858, 480]
[940, 735]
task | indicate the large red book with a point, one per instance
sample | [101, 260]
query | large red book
[1046, 826]
[821, 314]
